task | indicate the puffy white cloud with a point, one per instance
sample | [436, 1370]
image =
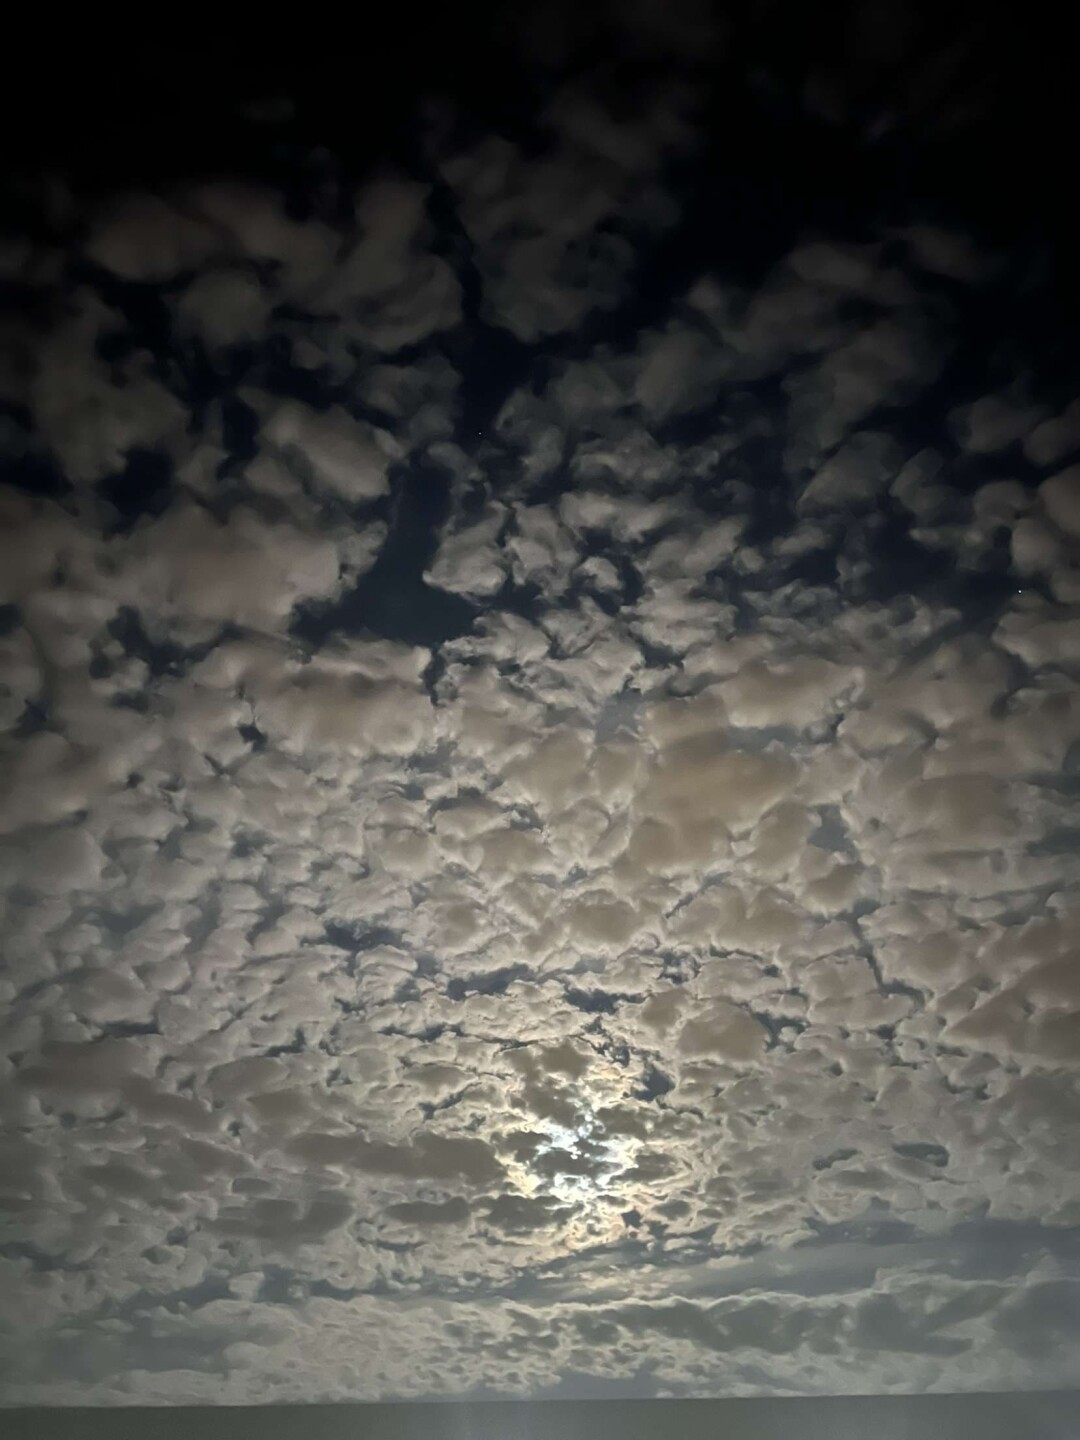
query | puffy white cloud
[194, 571]
[551, 232]
[1061, 498]
[855, 475]
[142, 237]
[1041, 638]
[797, 693]
[61, 860]
[92, 418]
[345, 456]
[387, 289]
[1053, 439]
[252, 222]
[681, 371]
[224, 307]
[993, 422]
[540, 550]
[471, 561]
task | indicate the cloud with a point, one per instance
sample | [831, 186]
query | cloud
[553, 233]
[664, 973]
[346, 457]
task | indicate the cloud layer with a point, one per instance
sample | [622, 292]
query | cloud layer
[575, 893]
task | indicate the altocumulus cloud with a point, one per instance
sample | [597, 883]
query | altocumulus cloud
[539, 758]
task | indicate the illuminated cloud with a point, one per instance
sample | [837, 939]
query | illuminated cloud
[538, 809]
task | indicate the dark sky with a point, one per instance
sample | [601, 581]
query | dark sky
[539, 710]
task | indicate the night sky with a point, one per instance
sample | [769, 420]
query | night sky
[539, 655]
